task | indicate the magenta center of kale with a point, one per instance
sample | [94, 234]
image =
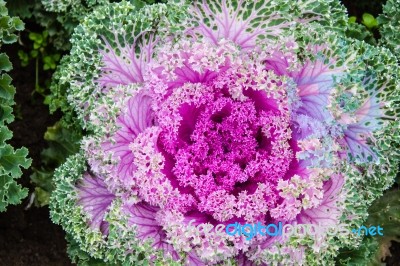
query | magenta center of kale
[228, 147]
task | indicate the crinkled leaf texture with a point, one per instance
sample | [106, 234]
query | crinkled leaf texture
[96, 204]
[389, 23]
[95, 199]
[11, 160]
[121, 198]
[385, 212]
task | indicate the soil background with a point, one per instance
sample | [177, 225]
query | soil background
[28, 237]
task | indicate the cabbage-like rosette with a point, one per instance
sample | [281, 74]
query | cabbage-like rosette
[238, 112]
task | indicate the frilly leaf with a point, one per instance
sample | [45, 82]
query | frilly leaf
[11, 160]
[389, 23]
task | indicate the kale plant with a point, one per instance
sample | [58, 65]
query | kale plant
[221, 112]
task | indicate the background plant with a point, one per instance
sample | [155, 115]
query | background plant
[11, 160]
[364, 28]
[373, 250]
[59, 17]
[45, 58]
[62, 142]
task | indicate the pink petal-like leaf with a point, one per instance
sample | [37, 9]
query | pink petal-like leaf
[243, 22]
[95, 199]
[137, 118]
[144, 217]
[358, 149]
[328, 212]
[123, 64]
[315, 81]
[193, 260]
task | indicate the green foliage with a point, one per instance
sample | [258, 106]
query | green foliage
[43, 55]
[62, 143]
[8, 25]
[34, 12]
[59, 17]
[369, 21]
[352, 19]
[361, 256]
[11, 160]
[363, 31]
[383, 29]
[390, 25]
[384, 212]
[82, 257]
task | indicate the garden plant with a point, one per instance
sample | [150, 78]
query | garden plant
[209, 132]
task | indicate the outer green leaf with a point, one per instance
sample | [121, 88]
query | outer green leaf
[359, 32]
[11, 192]
[384, 212]
[5, 134]
[5, 64]
[11, 160]
[361, 256]
[7, 91]
[390, 25]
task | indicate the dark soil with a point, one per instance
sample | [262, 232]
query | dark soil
[394, 260]
[358, 8]
[28, 237]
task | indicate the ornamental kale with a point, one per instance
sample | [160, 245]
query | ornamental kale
[390, 23]
[11, 160]
[222, 112]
